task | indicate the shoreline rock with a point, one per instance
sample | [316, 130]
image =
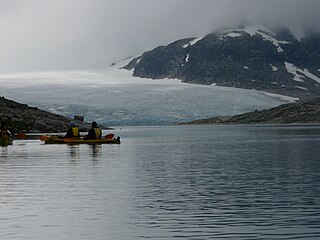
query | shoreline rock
[301, 112]
[22, 118]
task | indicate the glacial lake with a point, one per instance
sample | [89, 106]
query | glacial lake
[177, 182]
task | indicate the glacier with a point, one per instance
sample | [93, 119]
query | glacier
[115, 98]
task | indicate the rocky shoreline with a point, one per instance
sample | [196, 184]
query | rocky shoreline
[22, 118]
[301, 112]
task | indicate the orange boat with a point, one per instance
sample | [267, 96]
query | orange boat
[108, 139]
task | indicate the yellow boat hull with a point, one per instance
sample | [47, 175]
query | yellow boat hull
[57, 140]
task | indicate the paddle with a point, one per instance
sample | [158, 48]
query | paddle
[109, 136]
[44, 138]
[23, 136]
[20, 136]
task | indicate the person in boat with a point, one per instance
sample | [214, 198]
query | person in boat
[73, 131]
[5, 131]
[95, 132]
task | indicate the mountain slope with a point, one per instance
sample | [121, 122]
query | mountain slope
[251, 58]
[21, 117]
[307, 111]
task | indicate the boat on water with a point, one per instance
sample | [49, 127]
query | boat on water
[60, 140]
[5, 140]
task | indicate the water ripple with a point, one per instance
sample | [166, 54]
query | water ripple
[225, 183]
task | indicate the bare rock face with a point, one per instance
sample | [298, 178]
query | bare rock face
[21, 117]
[251, 58]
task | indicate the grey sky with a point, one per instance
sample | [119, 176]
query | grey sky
[39, 35]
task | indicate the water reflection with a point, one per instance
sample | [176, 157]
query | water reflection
[4, 152]
[77, 151]
[223, 183]
[74, 152]
[96, 151]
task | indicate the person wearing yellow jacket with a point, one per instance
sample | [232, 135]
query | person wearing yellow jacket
[73, 131]
[95, 132]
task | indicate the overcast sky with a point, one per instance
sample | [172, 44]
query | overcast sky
[41, 35]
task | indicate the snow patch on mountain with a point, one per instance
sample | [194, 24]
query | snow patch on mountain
[233, 34]
[253, 30]
[192, 42]
[266, 34]
[273, 68]
[187, 58]
[300, 74]
[303, 88]
[279, 96]
[295, 71]
[310, 75]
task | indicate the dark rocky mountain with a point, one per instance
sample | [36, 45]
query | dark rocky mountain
[304, 111]
[21, 117]
[251, 58]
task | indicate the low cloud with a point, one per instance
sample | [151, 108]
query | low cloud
[39, 35]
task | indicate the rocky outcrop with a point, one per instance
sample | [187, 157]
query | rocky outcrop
[301, 112]
[250, 58]
[21, 117]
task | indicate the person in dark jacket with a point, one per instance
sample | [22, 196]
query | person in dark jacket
[5, 131]
[95, 132]
[73, 131]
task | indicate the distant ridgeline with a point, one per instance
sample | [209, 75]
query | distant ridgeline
[301, 112]
[250, 58]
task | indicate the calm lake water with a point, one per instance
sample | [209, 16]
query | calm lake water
[178, 182]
